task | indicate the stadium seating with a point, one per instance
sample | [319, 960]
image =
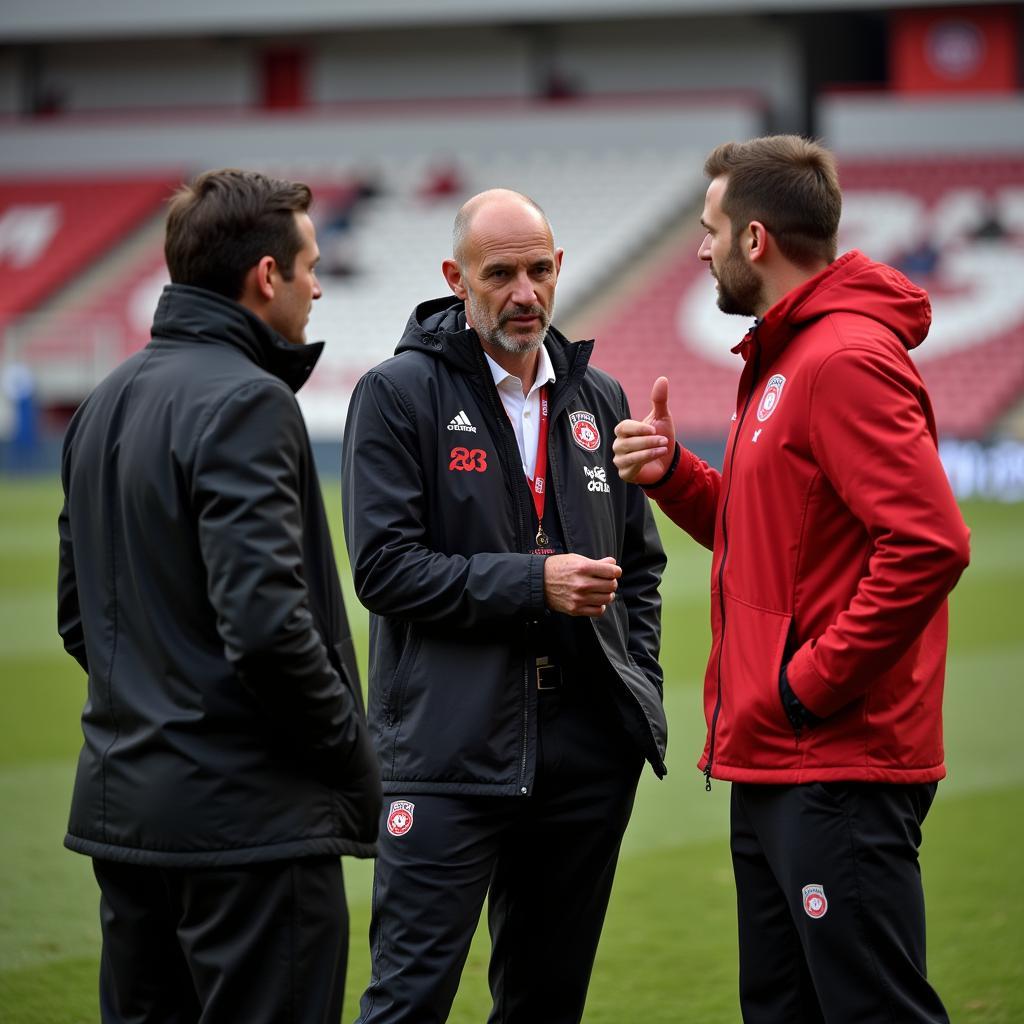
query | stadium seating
[956, 225]
[602, 207]
[382, 237]
[53, 232]
[971, 215]
[51, 229]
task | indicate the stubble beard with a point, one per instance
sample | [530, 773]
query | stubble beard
[493, 331]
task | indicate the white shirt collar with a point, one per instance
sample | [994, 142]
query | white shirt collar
[545, 371]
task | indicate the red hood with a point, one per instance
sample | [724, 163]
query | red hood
[852, 284]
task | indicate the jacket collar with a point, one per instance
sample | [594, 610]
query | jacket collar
[185, 313]
[851, 284]
[438, 327]
[545, 371]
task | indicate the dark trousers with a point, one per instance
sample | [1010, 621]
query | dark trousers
[263, 943]
[546, 860]
[830, 903]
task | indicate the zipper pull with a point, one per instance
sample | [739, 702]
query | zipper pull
[707, 778]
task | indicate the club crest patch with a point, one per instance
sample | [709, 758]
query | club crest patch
[400, 817]
[584, 430]
[815, 903]
[771, 397]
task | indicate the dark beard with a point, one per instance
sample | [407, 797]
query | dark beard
[739, 288]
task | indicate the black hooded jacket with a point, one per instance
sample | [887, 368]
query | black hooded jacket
[224, 722]
[440, 544]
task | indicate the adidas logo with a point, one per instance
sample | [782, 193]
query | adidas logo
[461, 422]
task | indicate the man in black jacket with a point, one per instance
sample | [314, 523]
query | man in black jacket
[513, 585]
[226, 762]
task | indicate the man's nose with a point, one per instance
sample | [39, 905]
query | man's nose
[704, 252]
[523, 292]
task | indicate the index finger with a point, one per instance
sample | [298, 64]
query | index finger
[632, 428]
[605, 569]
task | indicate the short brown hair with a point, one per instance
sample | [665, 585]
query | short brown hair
[790, 184]
[225, 221]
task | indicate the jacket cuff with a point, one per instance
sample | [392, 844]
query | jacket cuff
[535, 577]
[797, 713]
[674, 483]
[670, 472]
[814, 693]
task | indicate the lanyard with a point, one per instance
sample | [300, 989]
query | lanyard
[537, 481]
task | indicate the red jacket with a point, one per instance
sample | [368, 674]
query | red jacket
[836, 541]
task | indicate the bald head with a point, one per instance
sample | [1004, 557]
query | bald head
[505, 267]
[496, 204]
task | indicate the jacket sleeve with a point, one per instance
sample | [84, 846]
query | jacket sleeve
[246, 493]
[69, 612]
[385, 499]
[643, 562]
[870, 435]
[689, 497]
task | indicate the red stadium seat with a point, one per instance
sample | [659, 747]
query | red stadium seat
[973, 378]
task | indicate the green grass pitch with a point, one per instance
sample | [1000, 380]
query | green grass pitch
[668, 952]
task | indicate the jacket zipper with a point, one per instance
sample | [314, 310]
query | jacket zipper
[597, 633]
[566, 533]
[636, 699]
[511, 453]
[526, 722]
[721, 570]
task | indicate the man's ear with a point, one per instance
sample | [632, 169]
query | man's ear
[757, 241]
[559, 253]
[258, 285]
[453, 275]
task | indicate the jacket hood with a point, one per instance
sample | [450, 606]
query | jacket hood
[438, 327]
[851, 284]
[195, 314]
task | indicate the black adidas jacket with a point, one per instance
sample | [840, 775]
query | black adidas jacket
[224, 723]
[440, 542]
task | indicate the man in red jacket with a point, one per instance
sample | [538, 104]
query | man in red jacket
[836, 541]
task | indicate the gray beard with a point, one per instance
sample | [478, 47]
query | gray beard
[495, 334]
[516, 346]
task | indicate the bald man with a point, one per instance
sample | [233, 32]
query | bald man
[512, 580]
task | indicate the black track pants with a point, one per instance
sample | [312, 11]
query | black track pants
[263, 944]
[547, 861]
[830, 903]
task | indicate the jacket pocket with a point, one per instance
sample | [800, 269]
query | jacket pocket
[753, 730]
[393, 696]
[343, 657]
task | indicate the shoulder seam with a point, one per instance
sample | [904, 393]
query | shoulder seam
[399, 390]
